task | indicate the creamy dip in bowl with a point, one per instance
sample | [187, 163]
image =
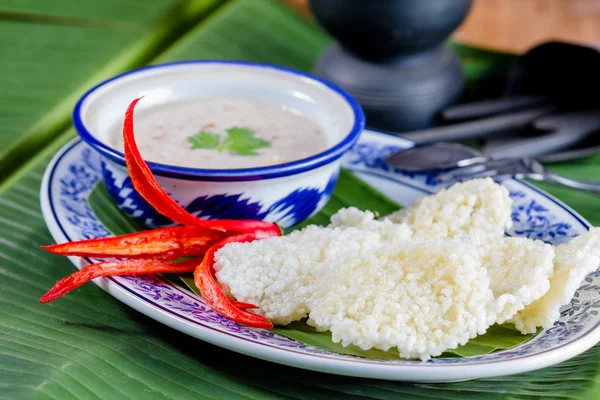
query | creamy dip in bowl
[225, 139]
[197, 131]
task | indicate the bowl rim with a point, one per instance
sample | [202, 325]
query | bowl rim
[244, 174]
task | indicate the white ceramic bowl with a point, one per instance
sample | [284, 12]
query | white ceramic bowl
[287, 193]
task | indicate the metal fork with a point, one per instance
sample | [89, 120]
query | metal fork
[517, 168]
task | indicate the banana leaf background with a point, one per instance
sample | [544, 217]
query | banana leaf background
[88, 345]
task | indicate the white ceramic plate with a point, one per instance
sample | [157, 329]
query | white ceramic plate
[75, 169]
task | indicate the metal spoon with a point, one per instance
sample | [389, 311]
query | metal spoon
[441, 155]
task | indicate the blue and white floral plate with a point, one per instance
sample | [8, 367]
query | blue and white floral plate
[75, 169]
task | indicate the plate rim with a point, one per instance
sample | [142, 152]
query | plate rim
[347, 367]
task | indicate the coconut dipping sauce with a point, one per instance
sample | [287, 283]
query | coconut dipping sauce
[223, 134]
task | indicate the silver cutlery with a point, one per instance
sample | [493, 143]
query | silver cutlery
[517, 168]
[483, 127]
[485, 108]
[566, 130]
[437, 156]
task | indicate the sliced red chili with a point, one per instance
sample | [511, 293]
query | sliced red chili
[163, 243]
[112, 268]
[239, 304]
[146, 185]
[212, 293]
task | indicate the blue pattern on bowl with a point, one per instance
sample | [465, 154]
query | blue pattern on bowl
[290, 210]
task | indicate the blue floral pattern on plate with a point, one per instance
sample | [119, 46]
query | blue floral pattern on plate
[535, 215]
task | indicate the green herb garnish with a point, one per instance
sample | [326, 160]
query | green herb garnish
[205, 140]
[240, 141]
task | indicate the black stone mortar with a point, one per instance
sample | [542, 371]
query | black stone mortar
[390, 55]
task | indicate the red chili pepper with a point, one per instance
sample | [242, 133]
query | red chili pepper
[239, 304]
[146, 185]
[163, 243]
[212, 293]
[196, 237]
[112, 268]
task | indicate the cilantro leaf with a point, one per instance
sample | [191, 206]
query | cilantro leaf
[240, 141]
[205, 140]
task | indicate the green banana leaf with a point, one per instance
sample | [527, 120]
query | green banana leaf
[72, 45]
[498, 337]
[88, 345]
